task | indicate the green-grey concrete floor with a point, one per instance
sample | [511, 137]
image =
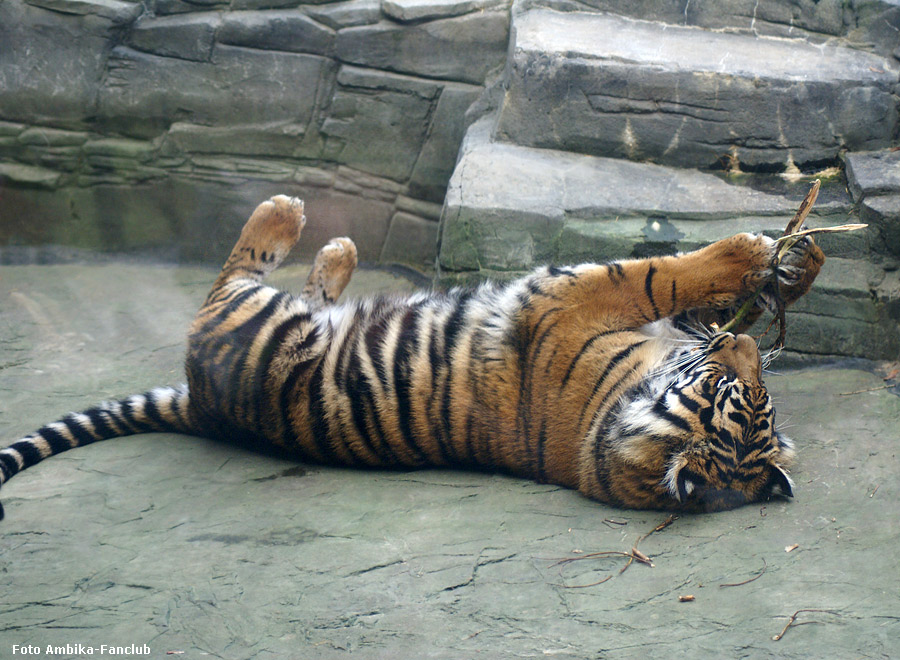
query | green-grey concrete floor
[203, 550]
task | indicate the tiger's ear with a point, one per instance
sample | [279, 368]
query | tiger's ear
[782, 484]
[680, 481]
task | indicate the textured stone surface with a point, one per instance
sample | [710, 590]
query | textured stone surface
[438, 154]
[200, 93]
[786, 18]
[51, 64]
[612, 86]
[873, 173]
[196, 547]
[883, 215]
[347, 14]
[412, 241]
[463, 49]
[495, 215]
[187, 37]
[189, 219]
[142, 93]
[417, 10]
[378, 121]
[290, 31]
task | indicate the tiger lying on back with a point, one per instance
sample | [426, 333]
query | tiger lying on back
[589, 377]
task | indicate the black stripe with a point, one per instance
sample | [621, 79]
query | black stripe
[738, 417]
[688, 402]
[341, 369]
[407, 345]
[179, 408]
[318, 421]
[581, 352]
[374, 342]
[674, 297]
[452, 328]
[228, 309]
[81, 434]
[8, 465]
[273, 345]
[29, 452]
[434, 364]
[241, 392]
[541, 476]
[55, 439]
[648, 289]
[364, 410]
[153, 412]
[618, 357]
[102, 427]
[661, 410]
[128, 415]
[615, 272]
[526, 378]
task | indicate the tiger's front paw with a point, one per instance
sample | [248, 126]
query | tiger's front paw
[739, 266]
[797, 270]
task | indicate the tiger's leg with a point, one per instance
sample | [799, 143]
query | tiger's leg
[267, 237]
[629, 294]
[331, 272]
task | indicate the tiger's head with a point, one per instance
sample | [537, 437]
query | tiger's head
[704, 439]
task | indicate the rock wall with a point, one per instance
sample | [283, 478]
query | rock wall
[136, 126]
[573, 130]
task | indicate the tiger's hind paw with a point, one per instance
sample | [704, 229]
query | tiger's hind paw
[331, 271]
[267, 237]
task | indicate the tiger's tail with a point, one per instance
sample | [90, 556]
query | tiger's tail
[162, 409]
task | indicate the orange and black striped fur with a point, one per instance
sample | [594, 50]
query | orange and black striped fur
[589, 377]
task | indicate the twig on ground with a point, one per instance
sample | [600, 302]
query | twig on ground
[794, 618]
[755, 577]
[640, 556]
[633, 555]
[870, 389]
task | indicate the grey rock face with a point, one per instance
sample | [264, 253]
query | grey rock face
[182, 112]
[463, 49]
[611, 86]
[874, 180]
[290, 31]
[378, 121]
[497, 222]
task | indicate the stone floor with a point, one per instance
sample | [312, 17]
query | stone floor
[201, 550]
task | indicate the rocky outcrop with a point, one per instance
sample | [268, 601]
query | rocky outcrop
[602, 129]
[158, 126]
[614, 136]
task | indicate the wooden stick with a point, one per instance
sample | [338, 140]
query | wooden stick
[755, 577]
[792, 234]
[794, 618]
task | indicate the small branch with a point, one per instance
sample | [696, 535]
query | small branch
[585, 586]
[792, 234]
[640, 556]
[794, 618]
[755, 577]
[633, 555]
[805, 207]
[871, 389]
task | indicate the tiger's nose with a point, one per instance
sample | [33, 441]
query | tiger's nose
[742, 355]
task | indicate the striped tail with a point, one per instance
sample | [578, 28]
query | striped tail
[162, 409]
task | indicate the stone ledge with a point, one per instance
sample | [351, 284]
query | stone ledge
[607, 85]
[873, 173]
[419, 10]
[495, 217]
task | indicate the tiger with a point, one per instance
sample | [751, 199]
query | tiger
[608, 379]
